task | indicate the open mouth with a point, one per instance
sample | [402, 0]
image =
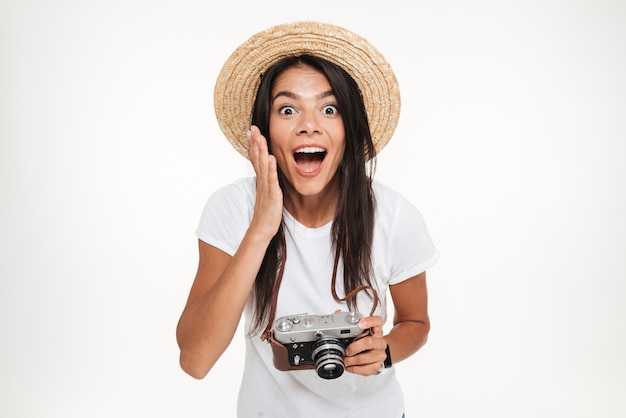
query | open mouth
[309, 159]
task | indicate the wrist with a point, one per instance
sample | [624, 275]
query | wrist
[259, 236]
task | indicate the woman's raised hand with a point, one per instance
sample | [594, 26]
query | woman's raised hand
[268, 208]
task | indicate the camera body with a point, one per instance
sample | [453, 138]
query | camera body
[316, 341]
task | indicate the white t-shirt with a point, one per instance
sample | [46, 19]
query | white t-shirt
[402, 248]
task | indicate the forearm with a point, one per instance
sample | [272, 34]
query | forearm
[406, 338]
[208, 323]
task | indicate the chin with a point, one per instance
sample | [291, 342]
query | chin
[313, 186]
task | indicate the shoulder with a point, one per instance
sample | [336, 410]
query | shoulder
[232, 199]
[396, 215]
[402, 237]
[386, 192]
[226, 214]
[238, 193]
[389, 201]
[245, 186]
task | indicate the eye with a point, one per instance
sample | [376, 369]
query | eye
[330, 110]
[287, 110]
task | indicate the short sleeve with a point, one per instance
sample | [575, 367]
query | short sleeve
[226, 216]
[412, 247]
[404, 247]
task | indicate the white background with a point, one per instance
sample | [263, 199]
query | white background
[512, 143]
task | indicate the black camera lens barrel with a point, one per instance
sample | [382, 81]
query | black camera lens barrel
[328, 354]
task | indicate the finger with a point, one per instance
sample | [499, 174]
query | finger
[258, 152]
[253, 149]
[373, 323]
[366, 357]
[365, 369]
[367, 345]
[272, 173]
[365, 364]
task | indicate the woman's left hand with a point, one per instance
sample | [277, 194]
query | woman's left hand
[366, 355]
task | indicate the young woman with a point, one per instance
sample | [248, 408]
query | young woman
[311, 232]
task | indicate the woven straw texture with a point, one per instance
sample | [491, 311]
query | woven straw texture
[239, 79]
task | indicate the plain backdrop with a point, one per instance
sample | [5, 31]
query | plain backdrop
[511, 142]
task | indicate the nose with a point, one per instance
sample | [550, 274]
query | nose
[309, 124]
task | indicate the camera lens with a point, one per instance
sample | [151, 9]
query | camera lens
[328, 356]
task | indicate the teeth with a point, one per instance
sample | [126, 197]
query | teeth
[310, 150]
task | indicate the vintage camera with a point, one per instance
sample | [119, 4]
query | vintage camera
[316, 341]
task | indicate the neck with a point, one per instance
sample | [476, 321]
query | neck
[314, 211]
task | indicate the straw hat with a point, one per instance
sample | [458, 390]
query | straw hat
[239, 79]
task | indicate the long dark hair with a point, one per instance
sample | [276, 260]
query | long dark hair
[353, 225]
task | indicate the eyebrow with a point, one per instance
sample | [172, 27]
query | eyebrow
[294, 96]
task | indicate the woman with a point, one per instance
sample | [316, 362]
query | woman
[311, 232]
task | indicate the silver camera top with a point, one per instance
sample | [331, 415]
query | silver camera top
[306, 328]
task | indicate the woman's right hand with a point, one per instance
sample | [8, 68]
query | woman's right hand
[268, 208]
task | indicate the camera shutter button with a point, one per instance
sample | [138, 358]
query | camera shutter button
[284, 325]
[352, 317]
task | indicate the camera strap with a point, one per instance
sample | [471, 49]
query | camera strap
[354, 292]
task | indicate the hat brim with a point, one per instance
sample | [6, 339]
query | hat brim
[239, 79]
